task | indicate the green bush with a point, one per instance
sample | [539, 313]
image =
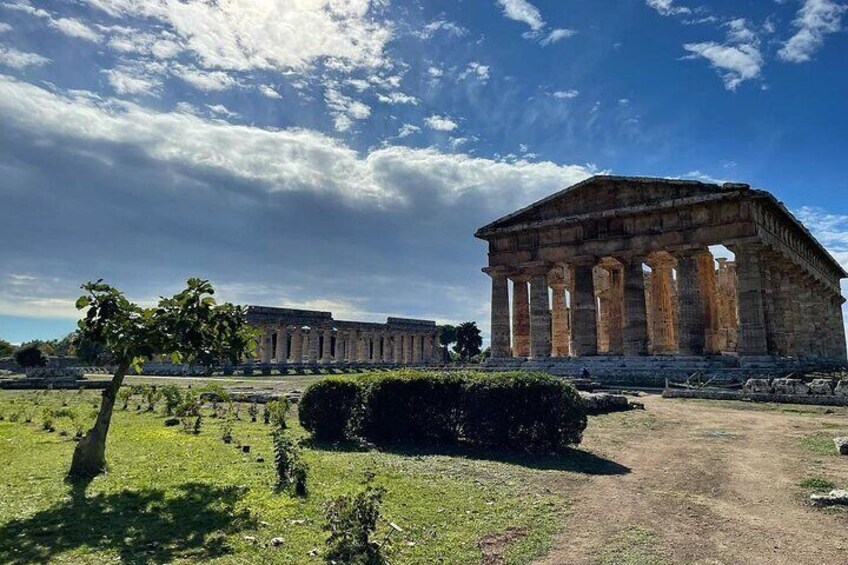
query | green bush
[277, 411]
[328, 408]
[290, 467]
[413, 408]
[523, 412]
[515, 411]
[30, 356]
[351, 523]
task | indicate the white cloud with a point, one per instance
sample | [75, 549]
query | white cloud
[132, 80]
[475, 69]
[667, 7]
[75, 28]
[450, 28]
[345, 109]
[815, 19]
[737, 59]
[4, 27]
[556, 35]
[397, 98]
[830, 229]
[566, 94]
[440, 123]
[20, 59]
[281, 160]
[408, 129]
[206, 80]
[272, 34]
[269, 91]
[523, 11]
[221, 110]
[435, 72]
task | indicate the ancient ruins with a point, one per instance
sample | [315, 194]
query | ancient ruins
[298, 337]
[620, 268]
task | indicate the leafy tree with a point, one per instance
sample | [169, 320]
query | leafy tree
[46, 347]
[468, 340]
[447, 335]
[190, 326]
[65, 346]
[6, 348]
[30, 356]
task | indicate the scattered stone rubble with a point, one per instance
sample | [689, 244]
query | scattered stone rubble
[833, 498]
[841, 445]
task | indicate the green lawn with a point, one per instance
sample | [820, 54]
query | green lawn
[175, 497]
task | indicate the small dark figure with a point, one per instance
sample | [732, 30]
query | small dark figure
[585, 374]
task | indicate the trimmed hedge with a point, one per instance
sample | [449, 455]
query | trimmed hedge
[515, 411]
[328, 407]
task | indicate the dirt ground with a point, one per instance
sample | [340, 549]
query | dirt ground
[708, 483]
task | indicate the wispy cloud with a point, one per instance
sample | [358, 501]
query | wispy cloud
[668, 7]
[737, 59]
[440, 123]
[20, 59]
[526, 13]
[815, 19]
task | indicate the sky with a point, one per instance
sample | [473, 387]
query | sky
[339, 155]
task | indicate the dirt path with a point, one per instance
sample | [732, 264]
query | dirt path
[707, 485]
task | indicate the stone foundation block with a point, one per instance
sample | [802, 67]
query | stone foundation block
[841, 445]
[758, 386]
[821, 386]
[790, 386]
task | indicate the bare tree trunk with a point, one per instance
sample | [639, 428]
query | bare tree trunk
[90, 453]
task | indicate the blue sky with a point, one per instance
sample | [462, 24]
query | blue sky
[339, 155]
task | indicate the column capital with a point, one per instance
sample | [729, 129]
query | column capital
[498, 270]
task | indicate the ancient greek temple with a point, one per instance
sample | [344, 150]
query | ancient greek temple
[307, 337]
[622, 267]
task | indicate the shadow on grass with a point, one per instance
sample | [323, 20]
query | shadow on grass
[144, 526]
[573, 459]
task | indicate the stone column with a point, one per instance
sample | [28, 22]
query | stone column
[428, 348]
[327, 349]
[339, 356]
[691, 309]
[297, 345]
[378, 348]
[663, 331]
[407, 350]
[267, 346]
[707, 277]
[615, 312]
[500, 312]
[559, 319]
[584, 337]
[314, 344]
[520, 315]
[540, 311]
[635, 308]
[416, 348]
[726, 304]
[397, 348]
[282, 353]
[752, 322]
[839, 329]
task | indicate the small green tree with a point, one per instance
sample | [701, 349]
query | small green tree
[447, 335]
[190, 326]
[468, 340]
[30, 356]
[6, 348]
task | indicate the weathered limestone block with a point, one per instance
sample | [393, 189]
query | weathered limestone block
[841, 445]
[604, 402]
[762, 386]
[841, 388]
[790, 386]
[821, 386]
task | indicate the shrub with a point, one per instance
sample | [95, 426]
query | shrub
[227, 430]
[253, 411]
[517, 411]
[291, 470]
[351, 521]
[173, 397]
[328, 406]
[30, 356]
[189, 413]
[125, 393]
[48, 419]
[522, 411]
[277, 410]
[413, 408]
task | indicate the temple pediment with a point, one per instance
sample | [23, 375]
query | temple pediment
[606, 193]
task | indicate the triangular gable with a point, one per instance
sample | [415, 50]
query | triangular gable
[602, 193]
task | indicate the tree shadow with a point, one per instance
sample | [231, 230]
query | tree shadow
[573, 459]
[147, 526]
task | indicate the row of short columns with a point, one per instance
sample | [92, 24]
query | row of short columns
[778, 308]
[298, 345]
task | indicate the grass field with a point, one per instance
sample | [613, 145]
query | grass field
[171, 496]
